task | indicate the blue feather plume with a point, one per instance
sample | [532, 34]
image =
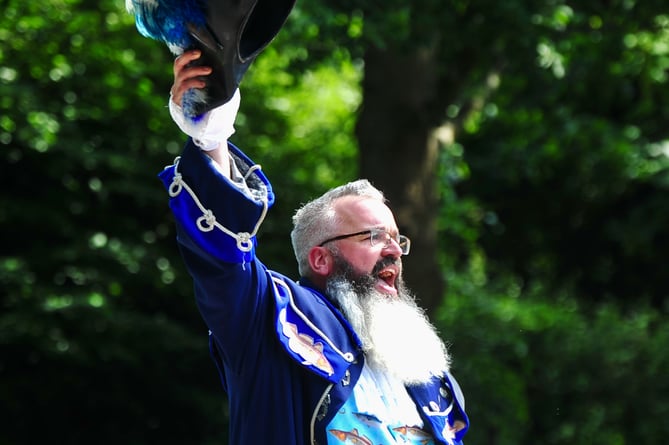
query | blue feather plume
[165, 20]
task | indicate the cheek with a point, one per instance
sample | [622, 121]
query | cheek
[362, 260]
[365, 263]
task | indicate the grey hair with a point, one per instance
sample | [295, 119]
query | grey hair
[316, 220]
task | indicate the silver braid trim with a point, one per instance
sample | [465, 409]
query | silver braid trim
[207, 222]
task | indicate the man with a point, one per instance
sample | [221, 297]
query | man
[342, 356]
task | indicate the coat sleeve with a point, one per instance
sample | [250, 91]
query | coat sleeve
[217, 221]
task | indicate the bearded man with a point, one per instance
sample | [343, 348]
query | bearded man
[344, 355]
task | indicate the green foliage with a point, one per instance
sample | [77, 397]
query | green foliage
[75, 109]
[108, 376]
[552, 179]
[100, 341]
[552, 373]
[567, 154]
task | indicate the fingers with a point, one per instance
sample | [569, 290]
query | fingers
[187, 76]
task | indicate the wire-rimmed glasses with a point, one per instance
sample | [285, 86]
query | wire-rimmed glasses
[377, 236]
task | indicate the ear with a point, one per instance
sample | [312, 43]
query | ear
[321, 262]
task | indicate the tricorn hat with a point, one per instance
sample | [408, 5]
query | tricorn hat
[229, 33]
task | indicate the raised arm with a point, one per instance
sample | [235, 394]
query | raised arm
[219, 198]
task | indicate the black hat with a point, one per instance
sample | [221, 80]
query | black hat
[229, 33]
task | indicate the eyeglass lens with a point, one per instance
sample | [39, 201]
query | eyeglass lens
[384, 238]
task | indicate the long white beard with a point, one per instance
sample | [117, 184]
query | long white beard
[397, 337]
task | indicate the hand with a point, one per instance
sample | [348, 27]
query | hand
[187, 76]
[212, 129]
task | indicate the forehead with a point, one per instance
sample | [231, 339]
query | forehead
[359, 213]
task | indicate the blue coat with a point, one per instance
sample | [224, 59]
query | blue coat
[286, 356]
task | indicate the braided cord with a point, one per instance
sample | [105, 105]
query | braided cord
[207, 222]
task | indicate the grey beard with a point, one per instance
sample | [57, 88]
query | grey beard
[396, 335]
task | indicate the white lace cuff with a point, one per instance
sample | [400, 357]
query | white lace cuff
[211, 129]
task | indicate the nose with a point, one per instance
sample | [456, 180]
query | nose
[392, 249]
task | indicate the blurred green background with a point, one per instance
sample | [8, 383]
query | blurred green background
[523, 144]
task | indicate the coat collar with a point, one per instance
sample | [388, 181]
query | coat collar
[312, 331]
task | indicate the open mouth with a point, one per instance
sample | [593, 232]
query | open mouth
[386, 280]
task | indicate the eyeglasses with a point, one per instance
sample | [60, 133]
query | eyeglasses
[377, 236]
